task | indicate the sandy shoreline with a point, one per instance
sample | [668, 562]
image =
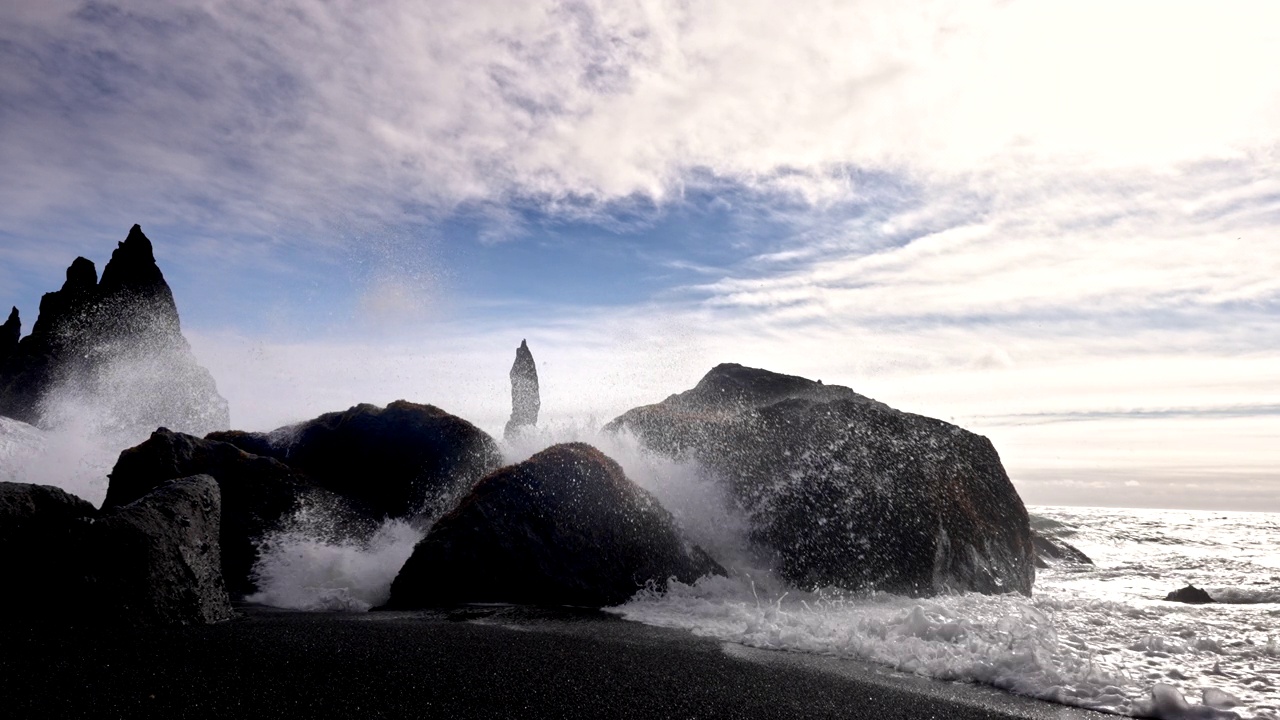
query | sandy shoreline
[480, 662]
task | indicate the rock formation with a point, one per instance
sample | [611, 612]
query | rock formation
[404, 460]
[565, 527]
[152, 562]
[525, 402]
[1191, 595]
[258, 494]
[846, 491]
[156, 561]
[354, 468]
[116, 344]
[1051, 551]
[10, 333]
[40, 549]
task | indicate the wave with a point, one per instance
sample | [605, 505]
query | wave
[1244, 596]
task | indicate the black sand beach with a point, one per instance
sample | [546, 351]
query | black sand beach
[479, 662]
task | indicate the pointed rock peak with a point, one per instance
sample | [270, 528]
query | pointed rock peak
[10, 333]
[133, 263]
[81, 275]
[525, 401]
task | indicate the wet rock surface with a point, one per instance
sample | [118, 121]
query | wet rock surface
[565, 527]
[403, 460]
[1051, 551]
[1191, 595]
[847, 491]
[156, 561]
[258, 494]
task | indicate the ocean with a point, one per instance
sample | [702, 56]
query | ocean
[1096, 636]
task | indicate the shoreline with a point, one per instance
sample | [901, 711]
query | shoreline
[469, 662]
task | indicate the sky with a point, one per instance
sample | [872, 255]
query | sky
[1054, 224]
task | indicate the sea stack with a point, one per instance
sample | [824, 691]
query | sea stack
[10, 332]
[114, 345]
[524, 391]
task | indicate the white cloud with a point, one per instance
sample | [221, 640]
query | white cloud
[275, 112]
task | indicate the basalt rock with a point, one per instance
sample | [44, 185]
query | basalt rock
[525, 401]
[258, 494]
[565, 527]
[40, 549]
[156, 561]
[845, 491]
[115, 344]
[10, 333]
[1191, 595]
[1051, 551]
[404, 460]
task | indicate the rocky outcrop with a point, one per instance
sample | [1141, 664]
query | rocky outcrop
[525, 401]
[40, 549]
[565, 527]
[352, 468]
[156, 561]
[1191, 595]
[10, 333]
[1051, 551]
[115, 344]
[845, 491]
[404, 460]
[258, 494]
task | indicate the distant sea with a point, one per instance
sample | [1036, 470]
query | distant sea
[1096, 636]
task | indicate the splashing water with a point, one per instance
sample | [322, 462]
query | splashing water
[305, 567]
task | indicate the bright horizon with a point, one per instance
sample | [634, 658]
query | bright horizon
[1054, 225]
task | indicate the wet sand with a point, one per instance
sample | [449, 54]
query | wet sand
[477, 662]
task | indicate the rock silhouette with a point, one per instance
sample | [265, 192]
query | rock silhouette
[40, 549]
[1191, 595]
[156, 561]
[525, 401]
[116, 344]
[257, 493]
[403, 460]
[846, 491]
[10, 333]
[565, 527]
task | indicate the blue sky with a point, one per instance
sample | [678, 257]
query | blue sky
[1056, 224]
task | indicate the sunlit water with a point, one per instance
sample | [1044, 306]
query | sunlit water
[1095, 636]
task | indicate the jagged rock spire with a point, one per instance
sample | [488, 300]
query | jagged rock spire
[116, 343]
[525, 402]
[10, 332]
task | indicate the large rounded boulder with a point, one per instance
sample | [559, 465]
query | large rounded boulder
[565, 527]
[403, 460]
[845, 491]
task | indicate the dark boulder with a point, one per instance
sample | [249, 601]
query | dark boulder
[565, 527]
[404, 460]
[846, 491]
[156, 561]
[258, 494]
[118, 345]
[525, 400]
[1191, 595]
[40, 549]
